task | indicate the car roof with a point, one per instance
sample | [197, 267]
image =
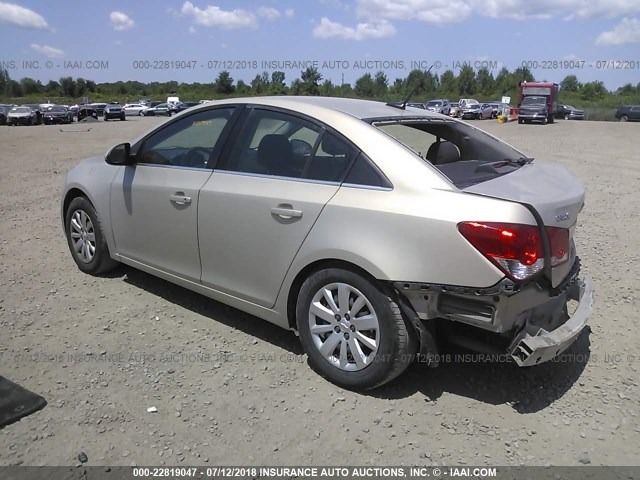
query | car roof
[361, 109]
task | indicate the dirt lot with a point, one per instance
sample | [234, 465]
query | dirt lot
[232, 389]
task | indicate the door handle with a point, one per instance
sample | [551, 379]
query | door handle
[180, 199]
[286, 212]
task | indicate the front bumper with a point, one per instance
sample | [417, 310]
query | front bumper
[532, 116]
[56, 120]
[19, 120]
[542, 346]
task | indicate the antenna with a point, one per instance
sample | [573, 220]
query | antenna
[403, 105]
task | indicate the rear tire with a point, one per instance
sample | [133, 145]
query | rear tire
[353, 332]
[86, 239]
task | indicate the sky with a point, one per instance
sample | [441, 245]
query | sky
[193, 40]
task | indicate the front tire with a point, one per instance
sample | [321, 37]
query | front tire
[86, 238]
[354, 333]
[624, 118]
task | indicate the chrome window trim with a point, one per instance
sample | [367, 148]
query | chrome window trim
[277, 177]
[304, 180]
[368, 187]
[173, 166]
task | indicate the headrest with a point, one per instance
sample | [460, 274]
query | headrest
[333, 146]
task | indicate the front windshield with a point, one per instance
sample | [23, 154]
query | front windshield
[57, 109]
[534, 101]
[464, 154]
[474, 106]
[569, 107]
[433, 104]
[21, 109]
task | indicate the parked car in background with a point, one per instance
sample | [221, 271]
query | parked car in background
[57, 114]
[114, 110]
[4, 111]
[439, 106]
[482, 255]
[496, 108]
[159, 109]
[134, 109]
[99, 107]
[534, 108]
[464, 102]
[628, 113]
[499, 108]
[455, 110]
[477, 111]
[38, 111]
[184, 106]
[85, 111]
[569, 113]
[22, 115]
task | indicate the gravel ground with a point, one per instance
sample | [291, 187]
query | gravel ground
[232, 389]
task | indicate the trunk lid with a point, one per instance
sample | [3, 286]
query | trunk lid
[551, 190]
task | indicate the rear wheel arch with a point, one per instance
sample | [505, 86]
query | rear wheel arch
[318, 265]
[388, 332]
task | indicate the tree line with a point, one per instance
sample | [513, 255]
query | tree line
[420, 85]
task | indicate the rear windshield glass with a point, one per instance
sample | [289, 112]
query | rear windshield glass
[465, 155]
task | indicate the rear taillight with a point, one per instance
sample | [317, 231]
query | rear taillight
[559, 240]
[516, 249]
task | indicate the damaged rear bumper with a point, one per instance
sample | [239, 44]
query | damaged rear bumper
[531, 323]
[542, 346]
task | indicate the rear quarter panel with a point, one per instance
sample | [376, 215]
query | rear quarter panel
[405, 235]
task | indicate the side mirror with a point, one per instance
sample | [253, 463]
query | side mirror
[119, 155]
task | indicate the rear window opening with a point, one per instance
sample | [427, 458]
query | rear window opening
[465, 155]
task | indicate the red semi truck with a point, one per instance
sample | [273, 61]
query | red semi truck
[538, 102]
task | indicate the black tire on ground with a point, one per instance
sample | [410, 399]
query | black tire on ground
[520, 121]
[624, 118]
[397, 340]
[122, 119]
[106, 118]
[101, 261]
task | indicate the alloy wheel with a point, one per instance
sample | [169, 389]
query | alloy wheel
[344, 326]
[83, 236]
